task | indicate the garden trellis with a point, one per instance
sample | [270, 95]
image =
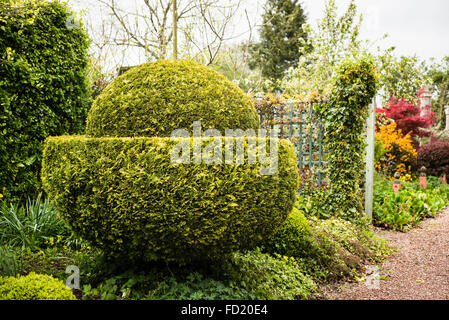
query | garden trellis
[298, 122]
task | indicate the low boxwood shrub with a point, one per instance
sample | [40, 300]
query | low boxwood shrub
[293, 238]
[34, 287]
[125, 196]
[156, 98]
[435, 157]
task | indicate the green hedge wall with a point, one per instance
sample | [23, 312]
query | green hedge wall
[127, 197]
[43, 87]
[154, 99]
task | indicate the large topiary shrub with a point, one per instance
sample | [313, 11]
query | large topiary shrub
[43, 87]
[127, 196]
[156, 98]
[34, 287]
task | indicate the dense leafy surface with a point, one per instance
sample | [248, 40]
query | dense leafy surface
[410, 205]
[156, 98]
[354, 86]
[34, 287]
[435, 157]
[127, 197]
[43, 88]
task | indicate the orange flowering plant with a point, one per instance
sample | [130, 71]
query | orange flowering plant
[400, 155]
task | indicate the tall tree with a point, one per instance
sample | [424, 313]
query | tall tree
[402, 77]
[439, 73]
[161, 29]
[335, 38]
[282, 36]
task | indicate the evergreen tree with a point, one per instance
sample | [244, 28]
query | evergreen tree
[282, 37]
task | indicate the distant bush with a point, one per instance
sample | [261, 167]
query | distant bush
[399, 155]
[411, 119]
[435, 157]
[43, 87]
[34, 287]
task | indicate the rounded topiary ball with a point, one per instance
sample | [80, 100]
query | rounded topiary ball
[155, 98]
[34, 287]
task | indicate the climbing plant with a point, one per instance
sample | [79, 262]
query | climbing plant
[353, 88]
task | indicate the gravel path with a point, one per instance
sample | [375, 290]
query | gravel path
[419, 270]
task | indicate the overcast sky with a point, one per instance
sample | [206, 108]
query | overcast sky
[414, 27]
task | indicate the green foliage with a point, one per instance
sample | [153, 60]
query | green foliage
[379, 149]
[334, 39]
[328, 249]
[354, 86]
[269, 278]
[293, 238]
[410, 205]
[127, 197]
[340, 248]
[34, 287]
[251, 275]
[156, 98]
[198, 287]
[282, 37]
[43, 87]
[29, 225]
[401, 77]
[439, 74]
[10, 265]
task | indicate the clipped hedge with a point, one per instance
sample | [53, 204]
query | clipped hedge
[43, 87]
[128, 198]
[156, 98]
[34, 287]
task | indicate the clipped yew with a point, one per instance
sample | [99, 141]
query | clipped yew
[153, 99]
[119, 188]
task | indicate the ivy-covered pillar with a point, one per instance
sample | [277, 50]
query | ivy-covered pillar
[354, 86]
